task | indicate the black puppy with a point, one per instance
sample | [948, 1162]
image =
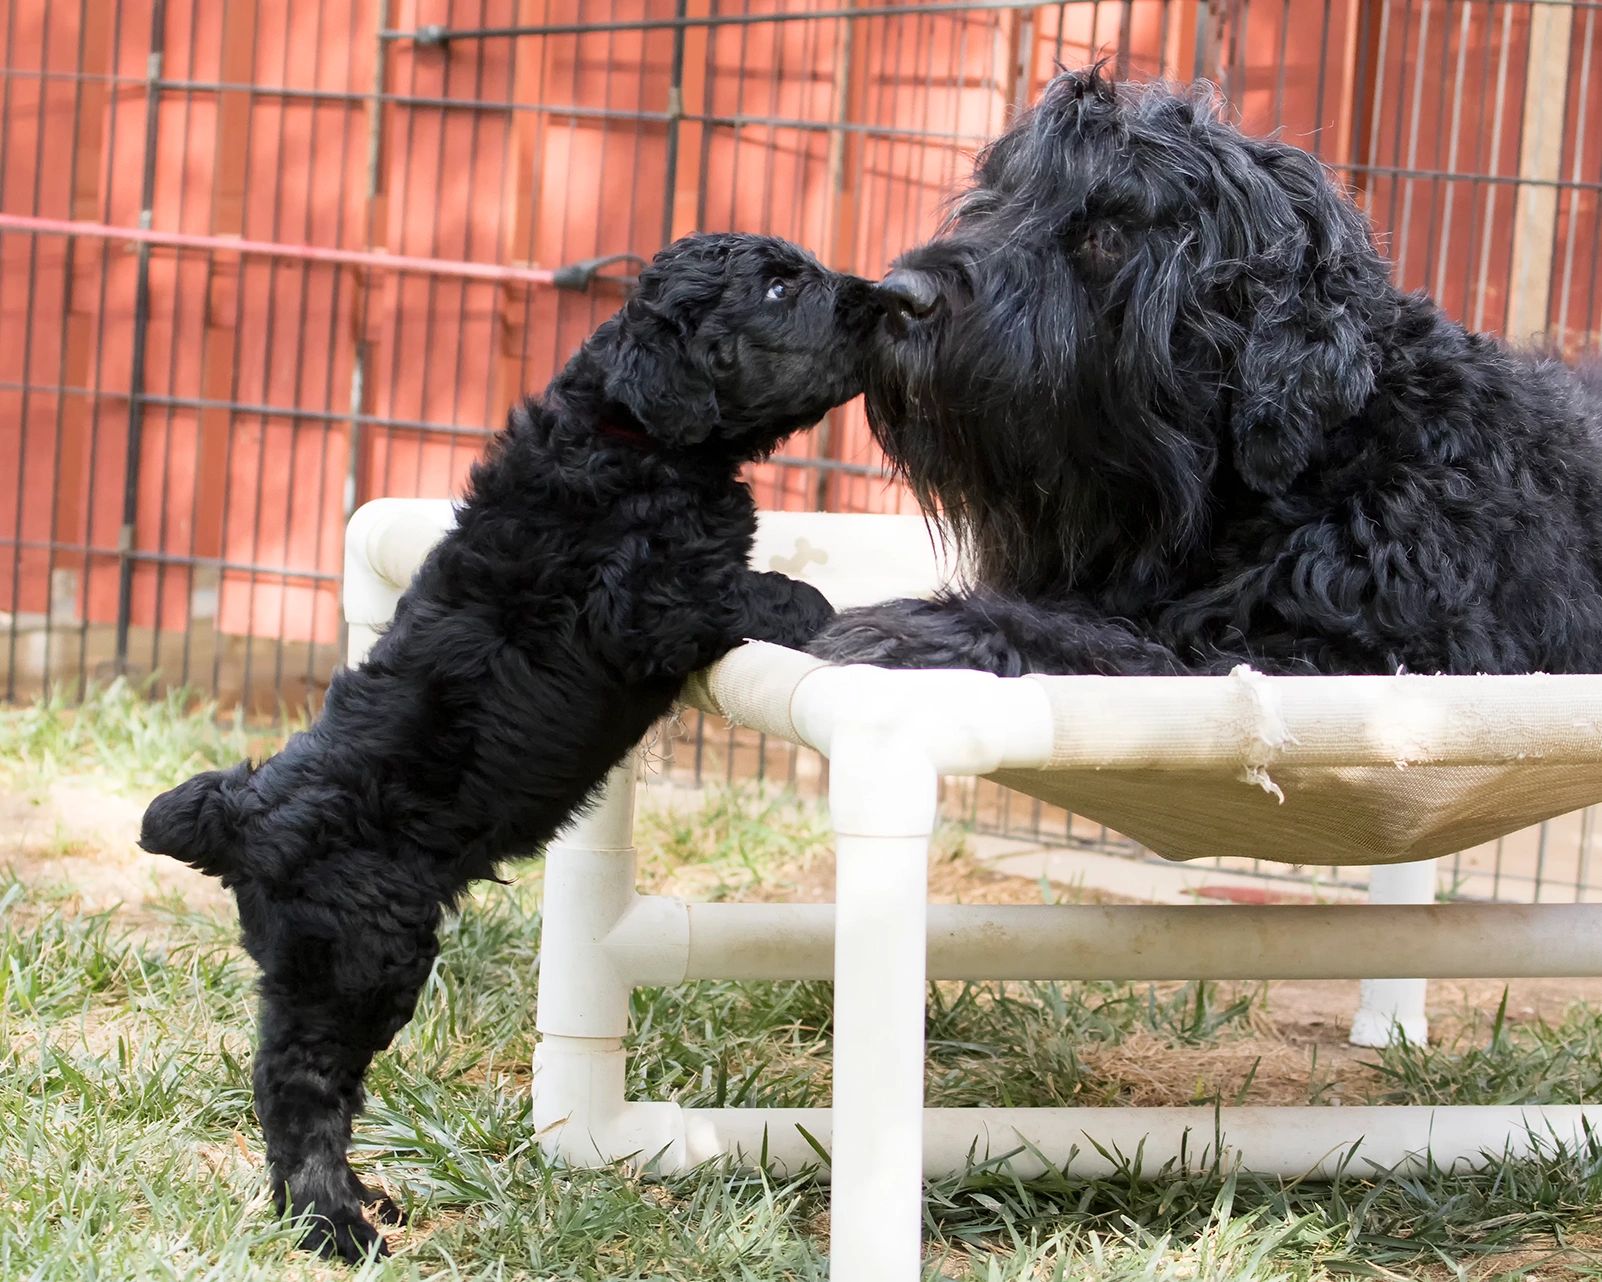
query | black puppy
[1157, 377]
[598, 560]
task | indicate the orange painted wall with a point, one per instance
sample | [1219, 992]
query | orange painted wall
[544, 150]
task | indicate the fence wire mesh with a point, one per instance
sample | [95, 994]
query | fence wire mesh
[259, 263]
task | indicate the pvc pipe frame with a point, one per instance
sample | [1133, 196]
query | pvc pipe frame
[1392, 1008]
[883, 941]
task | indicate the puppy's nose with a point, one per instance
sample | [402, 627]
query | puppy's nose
[908, 295]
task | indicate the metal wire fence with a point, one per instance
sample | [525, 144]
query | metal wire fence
[259, 263]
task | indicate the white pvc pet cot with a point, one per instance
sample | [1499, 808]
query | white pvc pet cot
[1312, 770]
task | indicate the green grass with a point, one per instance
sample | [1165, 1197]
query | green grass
[130, 1152]
[128, 1149]
[125, 733]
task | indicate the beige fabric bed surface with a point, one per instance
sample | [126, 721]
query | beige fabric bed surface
[1330, 815]
[1305, 770]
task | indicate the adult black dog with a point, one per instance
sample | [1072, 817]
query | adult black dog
[1157, 377]
[598, 560]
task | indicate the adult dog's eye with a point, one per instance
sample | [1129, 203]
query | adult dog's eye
[778, 290]
[1101, 247]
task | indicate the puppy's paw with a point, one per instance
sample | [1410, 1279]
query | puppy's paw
[382, 1206]
[808, 613]
[345, 1235]
[330, 1209]
[786, 611]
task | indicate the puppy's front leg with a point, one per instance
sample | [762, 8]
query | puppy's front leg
[774, 607]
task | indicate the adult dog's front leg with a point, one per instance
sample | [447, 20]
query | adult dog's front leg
[993, 634]
[337, 985]
[914, 633]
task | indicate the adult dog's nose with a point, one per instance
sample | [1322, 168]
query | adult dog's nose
[908, 295]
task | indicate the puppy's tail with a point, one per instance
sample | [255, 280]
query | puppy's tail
[201, 822]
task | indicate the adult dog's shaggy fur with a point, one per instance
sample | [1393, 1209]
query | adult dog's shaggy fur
[1156, 376]
[599, 559]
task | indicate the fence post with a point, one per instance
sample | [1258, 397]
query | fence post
[141, 328]
[1546, 99]
[688, 139]
[219, 346]
[83, 329]
[844, 175]
[527, 128]
[362, 277]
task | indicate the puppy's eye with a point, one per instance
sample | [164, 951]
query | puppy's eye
[778, 290]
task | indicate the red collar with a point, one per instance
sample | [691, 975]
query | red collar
[630, 435]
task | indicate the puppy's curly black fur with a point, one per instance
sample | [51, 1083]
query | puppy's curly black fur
[598, 560]
[1157, 377]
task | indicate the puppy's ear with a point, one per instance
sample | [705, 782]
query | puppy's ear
[1308, 361]
[657, 367]
[654, 370]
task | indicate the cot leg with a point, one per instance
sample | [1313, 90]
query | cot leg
[1392, 1008]
[583, 1001]
[883, 806]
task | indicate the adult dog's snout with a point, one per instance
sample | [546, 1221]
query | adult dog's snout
[908, 296]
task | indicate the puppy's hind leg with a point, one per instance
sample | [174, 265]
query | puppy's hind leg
[338, 982]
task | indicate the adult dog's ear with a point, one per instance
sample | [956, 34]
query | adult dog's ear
[655, 371]
[1308, 360]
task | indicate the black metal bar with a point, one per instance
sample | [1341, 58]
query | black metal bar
[362, 356]
[325, 432]
[228, 506]
[1201, 55]
[269, 328]
[300, 345]
[1317, 140]
[108, 200]
[13, 626]
[436, 35]
[675, 115]
[61, 404]
[173, 558]
[1279, 74]
[244, 409]
[433, 36]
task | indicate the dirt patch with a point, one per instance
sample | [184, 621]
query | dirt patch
[955, 877]
[1578, 1256]
[1256, 1069]
[77, 843]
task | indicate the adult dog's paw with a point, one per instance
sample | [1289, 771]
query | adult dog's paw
[943, 633]
[896, 634]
